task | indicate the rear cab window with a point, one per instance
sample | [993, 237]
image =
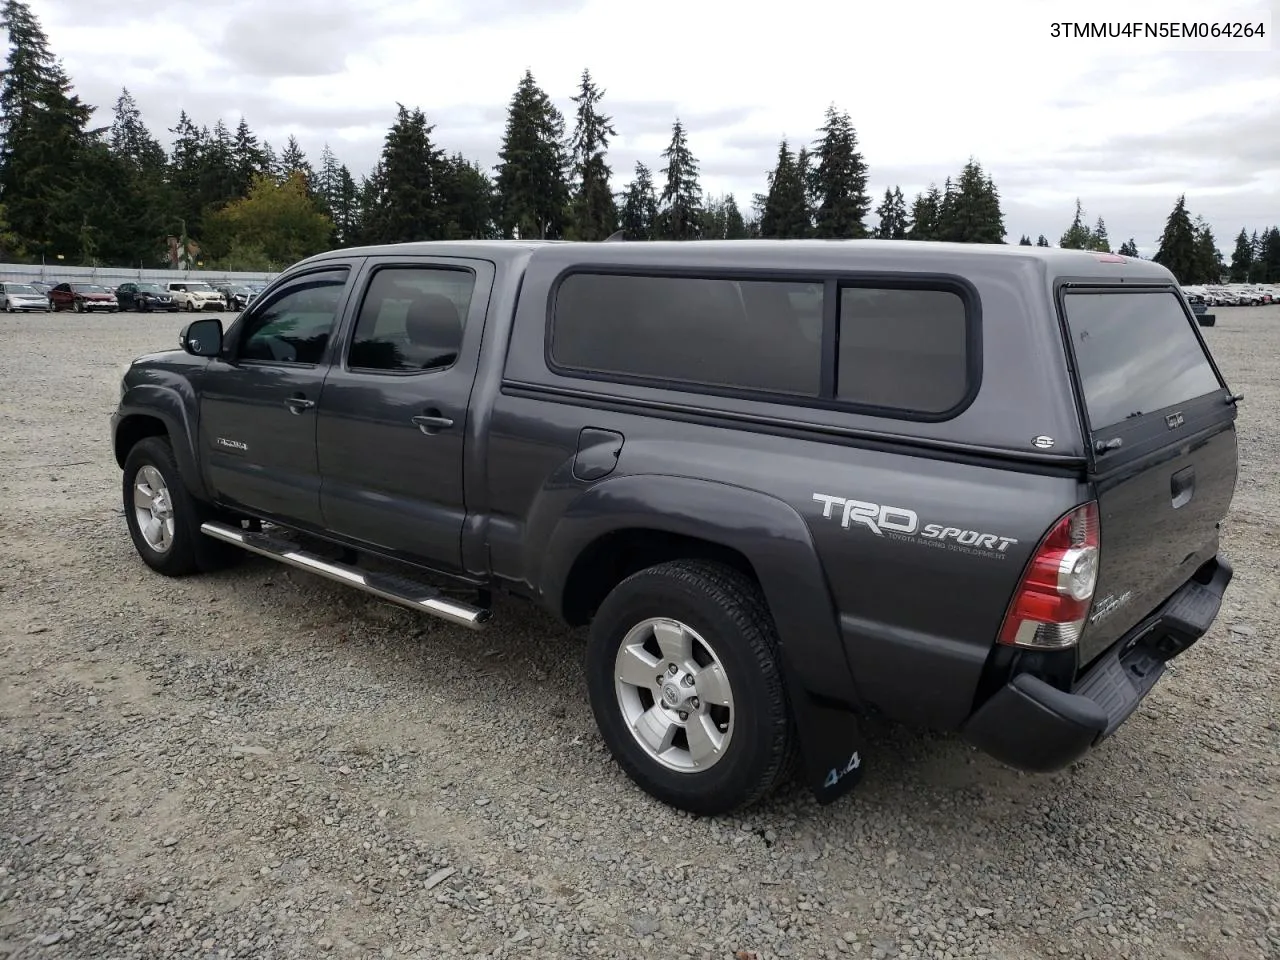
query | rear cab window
[906, 350]
[1137, 353]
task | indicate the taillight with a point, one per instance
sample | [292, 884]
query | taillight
[1052, 603]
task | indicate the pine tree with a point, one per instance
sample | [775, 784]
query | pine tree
[840, 180]
[1077, 236]
[43, 143]
[1269, 257]
[1177, 251]
[140, 198]
[467, 201]
[1129, 248]
[970, 208]
[893, 216]
[1025, 241]
[1242, 259]
[185, 169]
[346, 210]
[1098, 239]
[1207, 259]
[294, 160]
[1041, 241]
[926, 210]
[595, 214]
[406, 205]
[784, 212]
[248, 159]
[533, 191]
[130, 139]
[639, 211]
[680, 204]
[735, 227]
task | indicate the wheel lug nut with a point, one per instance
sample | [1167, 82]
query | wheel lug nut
[695, 703]
[684, 714]
[688, 680]
[671, 669]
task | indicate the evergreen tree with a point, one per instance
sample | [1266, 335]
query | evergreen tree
[468, 202]
[926, 210]
[346, 210]
[131, 141]
[1269, 257]
[1098, 239]
[970, 209]
[218, 182]
[1041, 241]
[840, 180]
[1077, 236]
[784, 212]
[406, 205]
[1242, 259]
[1177, 251]
[893, 216]
[735, 227]
[680, 204]
[185, 168]
[533, 192]
[1025, 241]
[248, 158]
[1129, 248]
[43, 143]
[1207, 259]
[595, 214]
[294, 160]
[639, 213]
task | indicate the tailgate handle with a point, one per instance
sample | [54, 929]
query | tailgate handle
[1182, 485]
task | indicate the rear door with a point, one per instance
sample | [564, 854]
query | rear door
[1162, 428]
[393, 412]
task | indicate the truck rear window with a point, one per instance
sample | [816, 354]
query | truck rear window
[1136, 352]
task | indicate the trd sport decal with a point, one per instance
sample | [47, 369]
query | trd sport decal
[899, 523]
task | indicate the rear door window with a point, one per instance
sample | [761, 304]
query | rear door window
[1137, 352]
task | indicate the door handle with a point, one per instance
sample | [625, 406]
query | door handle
[1182, 485]
[297, 403]
[431, 422]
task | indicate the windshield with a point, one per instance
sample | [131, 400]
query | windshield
[22, 288]
[149, 288]
[88, 288]
[199, 288]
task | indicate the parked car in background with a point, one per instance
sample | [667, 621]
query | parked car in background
[145, 297]
[1200, 309]
[82, 298]
[42, 286]
[15, 297]
[237, 295]
[194, 295]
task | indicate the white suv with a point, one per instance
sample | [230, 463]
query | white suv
[196, 295]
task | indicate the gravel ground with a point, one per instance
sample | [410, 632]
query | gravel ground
[262, 764]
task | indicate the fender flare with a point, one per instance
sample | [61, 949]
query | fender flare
[775, 539]
[166, 404]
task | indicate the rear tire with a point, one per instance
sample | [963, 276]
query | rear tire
[164, 518]
[698, 754]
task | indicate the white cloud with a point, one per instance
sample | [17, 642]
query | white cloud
[928, 83]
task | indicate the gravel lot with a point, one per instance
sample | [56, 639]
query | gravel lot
[262, 764]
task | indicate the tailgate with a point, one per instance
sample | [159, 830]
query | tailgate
[1162, 428]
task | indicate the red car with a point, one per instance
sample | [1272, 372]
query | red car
[82, 297]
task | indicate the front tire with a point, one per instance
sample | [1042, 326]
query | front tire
[715, 734]
[164, 519]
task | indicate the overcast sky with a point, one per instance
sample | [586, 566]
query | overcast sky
[1125, 124]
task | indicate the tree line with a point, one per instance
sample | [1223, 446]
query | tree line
[224, 198]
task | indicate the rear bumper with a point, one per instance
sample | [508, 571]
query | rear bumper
[1034, 726]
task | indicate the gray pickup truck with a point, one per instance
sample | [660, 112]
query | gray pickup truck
[788, 484]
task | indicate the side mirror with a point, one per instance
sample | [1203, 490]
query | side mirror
[202, 338]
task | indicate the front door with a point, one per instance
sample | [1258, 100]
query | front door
[258, 403]
[393, 412]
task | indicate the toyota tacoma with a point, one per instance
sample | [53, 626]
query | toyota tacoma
[787, 484]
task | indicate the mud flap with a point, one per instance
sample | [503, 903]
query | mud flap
[831, 743]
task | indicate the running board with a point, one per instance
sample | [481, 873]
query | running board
[395, 589]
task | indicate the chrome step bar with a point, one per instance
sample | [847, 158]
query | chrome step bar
[395, 589]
